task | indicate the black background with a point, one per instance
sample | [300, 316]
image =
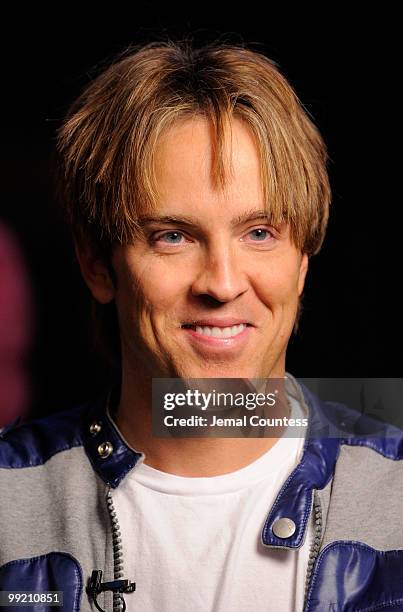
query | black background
[344, 69]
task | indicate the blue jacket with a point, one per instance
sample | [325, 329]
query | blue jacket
[58, 525]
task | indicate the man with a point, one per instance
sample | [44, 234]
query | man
[196, 188]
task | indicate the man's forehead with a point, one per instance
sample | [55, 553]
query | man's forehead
[188, 149]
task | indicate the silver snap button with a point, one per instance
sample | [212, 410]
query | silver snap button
[105, 449]
[284, 528]
[95, 428]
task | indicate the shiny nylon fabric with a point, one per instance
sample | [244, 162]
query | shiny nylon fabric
[353, 577]
[51, 572]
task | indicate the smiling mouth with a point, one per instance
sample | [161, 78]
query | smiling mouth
[217, 332]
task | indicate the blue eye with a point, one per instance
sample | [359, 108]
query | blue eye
[171, 237]
[259, 234]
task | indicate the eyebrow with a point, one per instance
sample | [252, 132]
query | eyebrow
[251, 215]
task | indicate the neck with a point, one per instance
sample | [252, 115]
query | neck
[190, 457]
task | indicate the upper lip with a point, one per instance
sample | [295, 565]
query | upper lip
[216, 322]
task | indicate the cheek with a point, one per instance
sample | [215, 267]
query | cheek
[166, 286]
[153, 290]
[277, 285]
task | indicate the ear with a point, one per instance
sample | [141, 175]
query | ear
[95, 274]
[303, 269]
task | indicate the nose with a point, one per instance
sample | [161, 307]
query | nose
[220, 275]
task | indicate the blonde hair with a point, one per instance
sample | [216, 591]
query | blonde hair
[108, 140]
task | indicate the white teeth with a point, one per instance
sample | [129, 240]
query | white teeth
[220, 332]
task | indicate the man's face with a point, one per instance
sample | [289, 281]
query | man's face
[212, 289]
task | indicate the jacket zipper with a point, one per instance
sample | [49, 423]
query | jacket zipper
[317, 509]
[117, 549]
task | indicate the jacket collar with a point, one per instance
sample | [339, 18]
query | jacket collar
[331, 425]
[315, 469]
[110, 455]
[112, 458]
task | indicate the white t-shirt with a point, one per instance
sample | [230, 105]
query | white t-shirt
[194, 544]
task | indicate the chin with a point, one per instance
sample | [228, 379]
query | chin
[221, 371]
